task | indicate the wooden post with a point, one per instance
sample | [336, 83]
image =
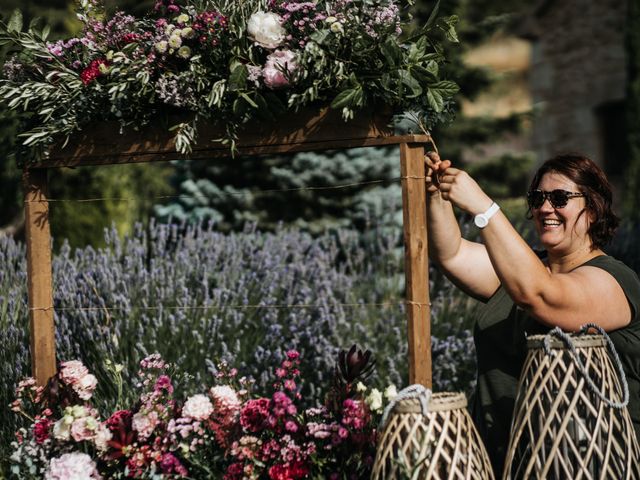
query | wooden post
[414, 213]
[39, 275]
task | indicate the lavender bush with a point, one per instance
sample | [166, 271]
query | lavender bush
[189, 293]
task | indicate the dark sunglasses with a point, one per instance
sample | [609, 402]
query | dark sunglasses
[557, 198]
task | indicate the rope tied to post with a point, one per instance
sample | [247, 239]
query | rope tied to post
[417, 391]
[566, 339]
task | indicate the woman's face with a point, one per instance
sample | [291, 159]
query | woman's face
[561, 230]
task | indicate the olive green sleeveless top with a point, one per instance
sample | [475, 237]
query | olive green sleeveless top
[500, 335]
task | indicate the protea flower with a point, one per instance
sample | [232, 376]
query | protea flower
[354, 365]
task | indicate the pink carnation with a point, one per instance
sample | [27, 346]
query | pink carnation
[72, 466]
[279, 68]
[254, 414]
[72, 371]
[226, 403]
[80, 429]
[144, 424]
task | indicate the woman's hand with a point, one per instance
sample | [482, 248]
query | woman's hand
[434, 169]
[459, 188]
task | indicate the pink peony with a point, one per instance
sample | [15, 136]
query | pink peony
[198, 407]
[72, 371]
[279, 69]
[72, 466]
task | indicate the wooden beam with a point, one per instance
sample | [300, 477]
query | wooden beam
[307, 130]
[39, 275]
[414, 212]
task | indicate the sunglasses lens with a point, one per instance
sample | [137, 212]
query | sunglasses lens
[536, 198]
[558, 198]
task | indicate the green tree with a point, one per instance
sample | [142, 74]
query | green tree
[127, 192]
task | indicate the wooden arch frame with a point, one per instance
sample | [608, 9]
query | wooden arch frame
[311, 130]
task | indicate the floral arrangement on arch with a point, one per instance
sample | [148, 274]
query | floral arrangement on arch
[226, 432]
[226, 62]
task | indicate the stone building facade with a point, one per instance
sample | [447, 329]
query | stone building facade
[578, 79]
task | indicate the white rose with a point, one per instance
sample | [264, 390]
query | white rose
[390, 392]
[374, 400]
[182, 18]
[361, 387]
[337, 27]
[265, 28]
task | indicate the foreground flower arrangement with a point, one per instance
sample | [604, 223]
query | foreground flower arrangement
[226, 432]
[226, 62]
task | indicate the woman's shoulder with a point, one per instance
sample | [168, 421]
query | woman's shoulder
[626, 277]
[615, 267]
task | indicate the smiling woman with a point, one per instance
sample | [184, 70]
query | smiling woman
[574, 283]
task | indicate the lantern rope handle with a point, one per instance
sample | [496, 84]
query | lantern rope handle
[566, 339]
[418, 391]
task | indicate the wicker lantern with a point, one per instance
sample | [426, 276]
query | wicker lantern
[439, 443]
[570, 416]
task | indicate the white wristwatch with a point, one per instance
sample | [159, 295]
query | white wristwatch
[482, 219]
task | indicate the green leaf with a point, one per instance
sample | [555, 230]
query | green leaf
[407, 79]
[432, 68]
[319, 36]
[263, 107]
[45, 32]
[450, 29]
[391, 52]
[238, 77]
[434, 14]
[15, 22]
[248, 99]
[347, 98]
[445, 88]
[435, 100]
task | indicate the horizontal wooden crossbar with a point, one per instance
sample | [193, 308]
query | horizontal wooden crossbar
[323, 129]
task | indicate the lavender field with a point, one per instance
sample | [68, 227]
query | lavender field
[198, 296]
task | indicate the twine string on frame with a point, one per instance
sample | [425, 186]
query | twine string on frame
[236, 306]
[236, 194]
[418, 391]
[566, 339]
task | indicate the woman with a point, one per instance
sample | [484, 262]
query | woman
[576, 283]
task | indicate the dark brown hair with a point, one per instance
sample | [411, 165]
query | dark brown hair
[591, 181]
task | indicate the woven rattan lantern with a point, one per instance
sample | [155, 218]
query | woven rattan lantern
[570, 416]
[441, 443]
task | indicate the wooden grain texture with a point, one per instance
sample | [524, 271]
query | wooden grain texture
[416, 262]
[323, 129]
[39, 275]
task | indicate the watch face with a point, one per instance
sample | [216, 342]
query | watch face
[480, 221]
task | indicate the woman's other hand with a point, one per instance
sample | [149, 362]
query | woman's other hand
[434, 167]
[459, 188]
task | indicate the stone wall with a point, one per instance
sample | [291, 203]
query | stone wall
[578, 78]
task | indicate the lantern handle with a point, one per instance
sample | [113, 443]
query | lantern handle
[566, 339]
[412, 391]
